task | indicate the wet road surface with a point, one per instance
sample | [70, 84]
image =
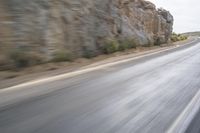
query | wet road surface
[141, 96]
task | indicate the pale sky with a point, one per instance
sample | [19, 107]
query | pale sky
[186, 13]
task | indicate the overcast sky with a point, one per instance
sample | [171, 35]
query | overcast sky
[186, 13]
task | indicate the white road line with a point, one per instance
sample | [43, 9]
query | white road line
[75, 73]
[183, 121]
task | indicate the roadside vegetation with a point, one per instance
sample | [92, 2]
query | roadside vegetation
[88, 53]
[63, 55]
[178, 37]
[22, 58]
[17, 59]
[114, 45]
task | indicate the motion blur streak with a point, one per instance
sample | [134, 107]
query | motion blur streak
[142, 96]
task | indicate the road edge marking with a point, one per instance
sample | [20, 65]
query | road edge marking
[183, 121]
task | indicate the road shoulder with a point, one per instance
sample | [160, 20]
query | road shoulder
[49, 70]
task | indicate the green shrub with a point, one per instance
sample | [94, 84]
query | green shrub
[111, 46]
[88, 53]
[5, 63]
[182, 37]
[122, 47]
[178, 37]
[126, 44]
[174, 39]
[114, 45]
[22, 58]
[61, 56]
[157, 42]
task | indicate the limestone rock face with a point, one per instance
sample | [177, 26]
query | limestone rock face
[45, 26]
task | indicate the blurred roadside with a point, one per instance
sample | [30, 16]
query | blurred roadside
[11, 78]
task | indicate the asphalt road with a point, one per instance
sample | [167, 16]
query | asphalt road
[141, 96]
[194, 125]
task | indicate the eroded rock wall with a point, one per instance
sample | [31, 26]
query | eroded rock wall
[45, 26]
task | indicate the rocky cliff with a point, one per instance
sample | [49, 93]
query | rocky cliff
[45, 26]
